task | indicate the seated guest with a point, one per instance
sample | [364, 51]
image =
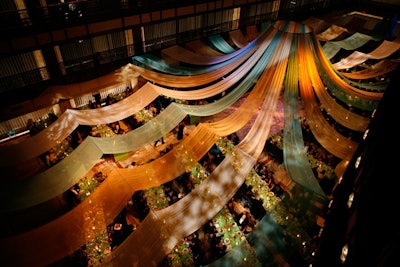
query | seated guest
[51, 157]
[181, 127]
[91, 104]
[117, 129]
[100, 177]
[110, 99]
[32, 127]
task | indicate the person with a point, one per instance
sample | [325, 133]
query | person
[76, 139]
[99, 176]
[234, 138]
[52, 117]
[91, 104]
[162, 141]
[73, 196]
[153, 110]
[117, 129]
[32, 127]
[97, 98]
[110, 99]
[243, 220]
[181, 127]
[51, 157]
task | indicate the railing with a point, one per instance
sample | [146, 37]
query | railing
[20, 80]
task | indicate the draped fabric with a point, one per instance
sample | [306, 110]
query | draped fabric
[384, 50]
[331, 33]
[151, 61]
[55, 93]
[186, 216]
[69, 120]
[158, 233]
[72, 118]
[264, 242]
[184, 55]
[220, 86]
[161, 230]
[331, 50]
[173, 81]
[148, 175]
[48, 138]
[379, 69]
[378, 86]
[331, 140]
[352, 42]
[339, 113]
[295, 156]
[220, 44]
[145, 134]
[317, 25]
[352, 60]
[348, 94]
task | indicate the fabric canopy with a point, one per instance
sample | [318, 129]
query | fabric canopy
[291, 56]
[384, 50]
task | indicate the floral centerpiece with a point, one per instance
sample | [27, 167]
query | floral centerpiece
[156, 198]
[198, 173]
[98, 249]
[261, 191]
[87, 185]
[181, 255]
[144, 115]
[227, 228]
[225, 145]
[63, 149]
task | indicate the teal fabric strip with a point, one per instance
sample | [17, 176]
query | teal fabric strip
[221, 44]
[356, 40]
[330, 49]
[294, 152]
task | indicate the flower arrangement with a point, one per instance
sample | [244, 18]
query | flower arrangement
[98, 249]
[156, 198]
[230, 232]
[198, 173]
[144, 115]
[181, 255]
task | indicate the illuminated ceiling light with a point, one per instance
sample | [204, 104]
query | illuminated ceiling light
[330, 203]
[343, 256]
[350, 200]
[365, 134]
[357, 162]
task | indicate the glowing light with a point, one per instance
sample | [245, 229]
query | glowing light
[365, 134]
[350, 200]
[357, 162]
[343, 256]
